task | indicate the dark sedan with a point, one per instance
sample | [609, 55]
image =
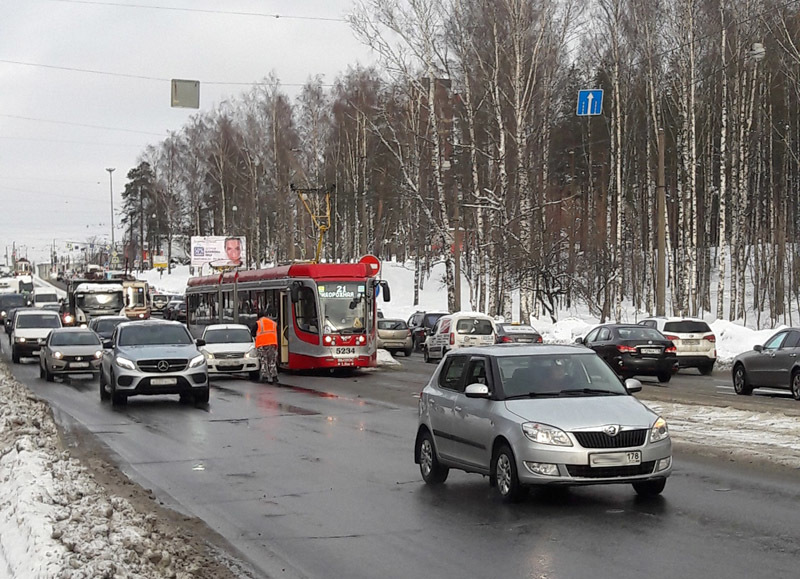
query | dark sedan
[773, 365]
[104, 326]
[10, 301]
[633, 350]
[512, 333]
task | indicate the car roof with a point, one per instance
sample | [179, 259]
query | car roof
[505, 350]
[151, 322]
[30, 311]
[72, 330]
[226, 327]
[102, 318]
[672, 319]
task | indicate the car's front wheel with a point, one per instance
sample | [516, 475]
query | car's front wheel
[117, 398]
[664, 377]
[796, 385]
[201, 395]
[505, 475]
[650, 488]
[254, 375]
[14, 355]
[407, 352]
[741, 384]
[425, 356]
[432, 471]
[104, 395]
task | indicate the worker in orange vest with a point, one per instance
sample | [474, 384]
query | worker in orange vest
[267, 346]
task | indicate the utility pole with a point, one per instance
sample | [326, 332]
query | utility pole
[662, 229]
[111, 189]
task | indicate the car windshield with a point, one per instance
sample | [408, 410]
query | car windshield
[231, 336]
[392, 325]
[154, 335]
[557, 375]
[38, 321]
[100, 301]
[687, 327]
[74, 339]
[430, 320]
[160, 300]
[15, 301]
[102, 325]
[475, 326]
[45, 298]
[640, 333]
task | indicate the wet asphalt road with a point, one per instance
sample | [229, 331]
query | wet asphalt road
[316, 478]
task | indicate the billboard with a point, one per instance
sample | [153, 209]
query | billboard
[218, 250]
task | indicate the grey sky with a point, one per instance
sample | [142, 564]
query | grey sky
[53, 182]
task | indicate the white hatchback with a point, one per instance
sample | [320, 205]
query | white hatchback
[230, 349]
[695, 342]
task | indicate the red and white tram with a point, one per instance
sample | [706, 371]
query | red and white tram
[326, 313]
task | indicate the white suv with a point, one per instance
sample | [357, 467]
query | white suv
[30, 331]
[694, 341]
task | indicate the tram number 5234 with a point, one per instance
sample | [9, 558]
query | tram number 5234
[346, 352]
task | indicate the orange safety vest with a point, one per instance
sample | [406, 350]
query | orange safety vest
[267, 333]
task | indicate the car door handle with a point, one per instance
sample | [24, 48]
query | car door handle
[458, 408]
[431, 402]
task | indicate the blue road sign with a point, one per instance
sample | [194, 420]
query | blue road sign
[590, 102]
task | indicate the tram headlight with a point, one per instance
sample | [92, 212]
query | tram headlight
[360, 340]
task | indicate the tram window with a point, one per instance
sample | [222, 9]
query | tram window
[247, 314]
[305, 310]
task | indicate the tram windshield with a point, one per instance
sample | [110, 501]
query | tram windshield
[344, 307]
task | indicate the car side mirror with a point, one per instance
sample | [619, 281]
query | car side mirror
[632, 385]
[295, 291]
[477, 390]
[580, 340]
[387, 294]
[200, 342]
[758, 347]
[107, 344]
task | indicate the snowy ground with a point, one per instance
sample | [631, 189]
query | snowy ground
[56, 520]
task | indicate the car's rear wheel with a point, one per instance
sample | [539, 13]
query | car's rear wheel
[706, 369]
[432, 471]
[741, 383]
[505, 475]
[796, 384]
[104, 395]
[407, 352]
[664, 377]
[650, 488]
[425, 356]
[201, 396]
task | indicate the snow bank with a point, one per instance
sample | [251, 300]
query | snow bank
[385, 359]
[56, 521]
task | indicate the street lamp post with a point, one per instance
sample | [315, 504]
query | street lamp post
[111, 189]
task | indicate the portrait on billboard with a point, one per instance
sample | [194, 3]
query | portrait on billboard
[218, 251]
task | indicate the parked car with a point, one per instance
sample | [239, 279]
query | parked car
[230, 349]
[773, 365]
[455, 331]
[633, 350]
[70, 351]
[515, 333]
[104, 327]
[10, 301]
[395, 336]
[539, 415]
[695, 342]
[153, 357]
[420, 324]
[30, 331]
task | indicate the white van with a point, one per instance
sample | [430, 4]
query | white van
[458, 330]
[43, 296]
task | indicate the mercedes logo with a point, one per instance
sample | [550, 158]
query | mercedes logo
[611, 430]
[163, 366]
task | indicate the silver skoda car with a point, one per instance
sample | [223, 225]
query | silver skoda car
[539, 415]
[153, 357]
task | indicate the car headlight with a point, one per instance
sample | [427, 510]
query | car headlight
[98, 354]
[208, 354]
[21, 340]
[659, 430]
[3, 314]
[253, 353]
[125, 363]
[68, 319]
[196, 361]
[58, 355]
[544, 434]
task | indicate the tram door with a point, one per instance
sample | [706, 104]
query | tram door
[284, 320]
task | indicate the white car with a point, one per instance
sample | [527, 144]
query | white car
[30, 330]
[458, 330]
[695, 342]
[230, 349]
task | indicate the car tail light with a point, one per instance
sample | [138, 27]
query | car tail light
[669, 337]
[671, 349]
[452, 338]
[626, 348]
[712, 338]
[505, 339]
[539, 340]
[408, 333]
